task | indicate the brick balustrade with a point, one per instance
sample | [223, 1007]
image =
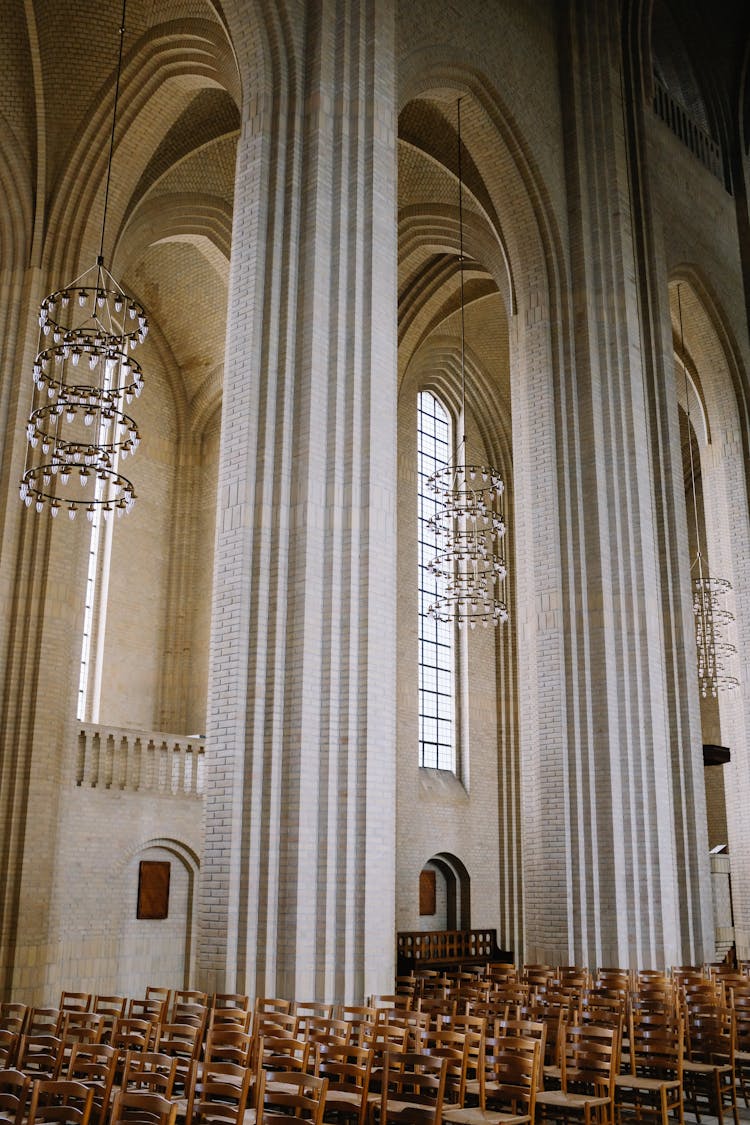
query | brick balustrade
[139, 761]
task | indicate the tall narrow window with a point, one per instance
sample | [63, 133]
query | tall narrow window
[436, 638]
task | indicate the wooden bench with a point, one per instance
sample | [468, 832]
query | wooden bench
[447, 949]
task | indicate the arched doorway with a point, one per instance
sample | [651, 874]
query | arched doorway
[445, 894]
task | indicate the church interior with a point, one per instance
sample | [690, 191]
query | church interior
[365, 236]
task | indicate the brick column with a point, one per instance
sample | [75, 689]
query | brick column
[297, 892]
[615, 854]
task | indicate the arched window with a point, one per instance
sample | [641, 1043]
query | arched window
[437, 657]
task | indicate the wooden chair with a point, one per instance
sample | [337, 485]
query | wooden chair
[83, 1027]
[739, 997]
[417, 1024]
[60, 1100]
[654, 1087]
[587, 1085]
[293, 1098]
[474, 1030]
[158, 992]
[150, 1072]
[521, 1029]
[131, 1034]
[515, 1066]
[182, 1042]
[221, 1096]
[227, 1043]
[381, 1040]
[451, 1045]
[133, 1108]
[412, 1089]
[40, 1056]
[95, 1065]
[359, 1017]
[152, 1008]
[15, 1088]
[187, 1012]
[111, 1008]
[709, 1071]
[347, 1068]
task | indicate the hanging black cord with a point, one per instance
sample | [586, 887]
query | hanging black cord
[112, 135]
[461, 272]
[689, 432]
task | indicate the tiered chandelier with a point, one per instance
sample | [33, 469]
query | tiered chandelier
[468, 524]
[84, 378]
[712, 617]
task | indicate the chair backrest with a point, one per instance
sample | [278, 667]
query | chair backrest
[711, 1036]
[514, 1073]
[188, 1012]
[272, 1004]
[228, 1043]
[40, 1055]
[293, 1098]
[283, 1053]
[152, 1008]
[239, 1018]
[305, 1008]
[590, 1058]
[15, 1088]
[180, 1039]
[223, 1095]
[131, 1107]
[14, 1016]
[95, 1064]
[84, 1027]
[151, 1071]
[159, 992]
[656, 1045]
[275, 1024]
[61, 1100]
[75, 1001]
[416, 1080]
[452, 1046]
[230, 1000]
[8, 1047]
[45, 1021]
[109, 1005]
[132, 1034]
[360, 1017]
[417, 1024]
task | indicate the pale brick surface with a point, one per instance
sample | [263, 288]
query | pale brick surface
[295, 243]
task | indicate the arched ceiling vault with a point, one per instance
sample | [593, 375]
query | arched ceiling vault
[429, 245]
[168, 225]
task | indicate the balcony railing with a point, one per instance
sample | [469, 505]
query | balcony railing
[702, 146]
[139, 761]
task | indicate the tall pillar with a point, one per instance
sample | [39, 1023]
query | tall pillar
[615, 855]
[297, 885]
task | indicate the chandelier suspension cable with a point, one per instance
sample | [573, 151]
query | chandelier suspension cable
[461, 275]
[712, 618]
[683, 361]
[84, 376]
[468, 522]
[112, 131]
